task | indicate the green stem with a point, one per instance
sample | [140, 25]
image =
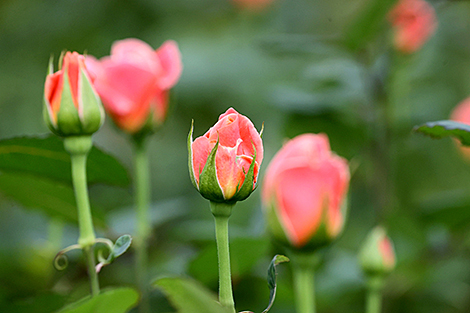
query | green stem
[304, 287]
[143, 228]
[374, 294]
[222, 212]
[90, 256]
[78, 148]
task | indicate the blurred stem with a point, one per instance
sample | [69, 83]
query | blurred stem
[142, 202]
[374, 294]
[78, 148]
[222, 212]
[304, 284]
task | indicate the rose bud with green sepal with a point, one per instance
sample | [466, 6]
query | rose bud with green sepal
[71, 105]
[377, 255]
[224, 162]
[304, 193]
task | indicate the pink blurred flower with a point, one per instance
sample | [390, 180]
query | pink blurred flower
[134, 81]
[238, 141]
[254, 5]
[413, 21]
[377, 255]
[304, 192]
[461, 113]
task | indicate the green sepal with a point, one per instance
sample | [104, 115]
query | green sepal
[91, 111]
[46, 111]
[208, 183]
[68, 121]
[190, 156]
[247, 188]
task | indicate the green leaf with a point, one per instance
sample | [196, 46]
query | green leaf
[122, 244]
[446, 128]
[272, 275]
[45, 156]
[119, 300]
[188, 296]
[55, 200]
[369, 23]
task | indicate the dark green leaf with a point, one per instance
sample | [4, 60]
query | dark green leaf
[272, 275]
[446, 128]
[118, 300]
[54, 199]
[45, 156]
[188, 296]
[369, 23]
[122, 244]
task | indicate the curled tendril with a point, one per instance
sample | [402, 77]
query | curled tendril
[61, 256]
[104, 261]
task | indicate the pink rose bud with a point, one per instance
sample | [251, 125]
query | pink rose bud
[134, 82]
[71, 105]
[414, 21]
[461, 113]
[377, 256]
[224, 162]
[253, 5]
[304, 192]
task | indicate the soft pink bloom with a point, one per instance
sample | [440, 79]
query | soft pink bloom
[414, 21]
[134, 81]
[461, 113]
[254, 5]
[238, 142]
[305, 188]
[387, 252]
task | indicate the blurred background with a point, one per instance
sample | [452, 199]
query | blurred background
[295, 65]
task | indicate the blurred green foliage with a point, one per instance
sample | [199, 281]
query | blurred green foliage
[298, 66]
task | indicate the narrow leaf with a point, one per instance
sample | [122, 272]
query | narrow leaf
[188, 296]
[446, 128]
[118, 300]
[272, 275]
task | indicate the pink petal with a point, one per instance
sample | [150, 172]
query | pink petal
[170, 61]
[300, 196]
[201, 148]
[136, 52]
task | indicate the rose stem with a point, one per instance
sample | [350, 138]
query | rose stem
[221, 213]
[142, 201]
[78, 148]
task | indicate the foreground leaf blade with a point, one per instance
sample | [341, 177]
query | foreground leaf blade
[45, 157]
[118, 300]
[54, 199]
[446, 128]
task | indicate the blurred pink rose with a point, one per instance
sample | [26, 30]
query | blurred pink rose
[254, 5]
[134, 81]
[238, 141]
[304, 192]
[413, 21]
[461, 113]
